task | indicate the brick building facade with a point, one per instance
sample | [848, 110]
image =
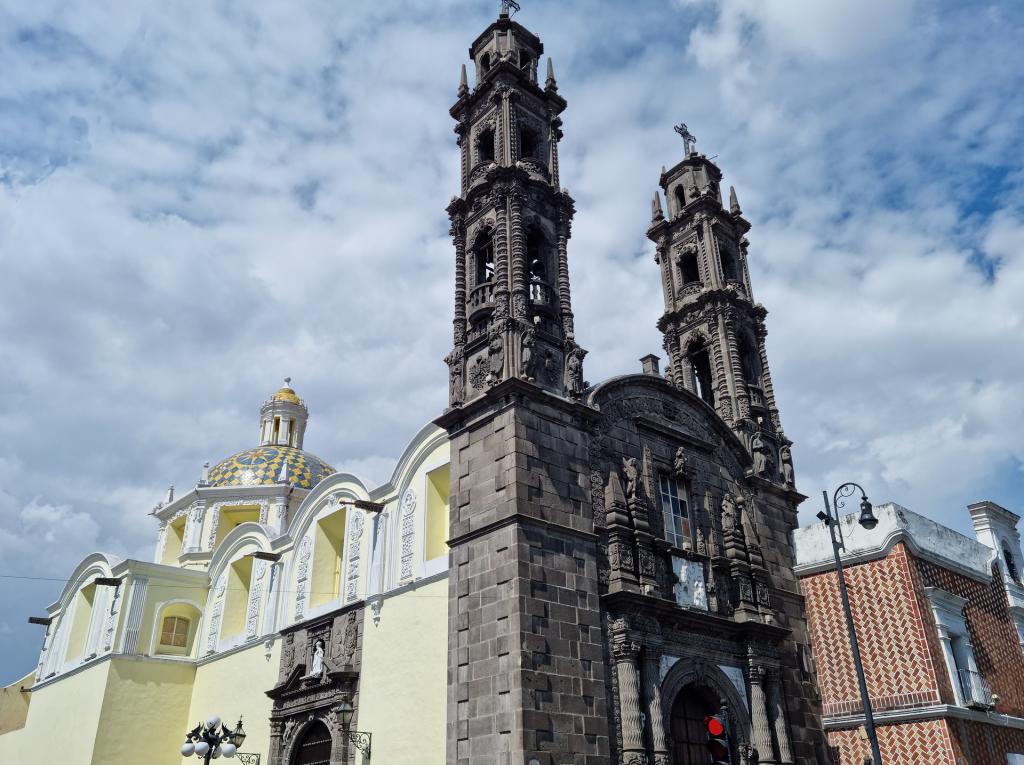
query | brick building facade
[940, 624]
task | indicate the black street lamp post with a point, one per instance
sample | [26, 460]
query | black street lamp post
[360, 739]
[206, 742]
[868, 521]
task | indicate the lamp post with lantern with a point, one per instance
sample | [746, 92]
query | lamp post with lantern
[868, 521]
[358, 738]
[205, 741]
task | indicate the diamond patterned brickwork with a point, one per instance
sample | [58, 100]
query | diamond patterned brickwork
[993, 634]
[926, 742]
[888, 620]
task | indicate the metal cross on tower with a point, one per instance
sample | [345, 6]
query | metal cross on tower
[507, 4]
[689, 139]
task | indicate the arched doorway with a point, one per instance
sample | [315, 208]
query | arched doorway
[313, 746]
[689, 738]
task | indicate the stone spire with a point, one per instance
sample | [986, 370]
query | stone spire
[714, 331]
[511, 226]
[463, 83]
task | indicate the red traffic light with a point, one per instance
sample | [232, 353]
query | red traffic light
[717, 741]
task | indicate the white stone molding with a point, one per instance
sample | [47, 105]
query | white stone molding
[407, 521]
[273, 596]
[110, 627]
[252, 612]
[137, 604]
[213, 627]
[302, 577]
[194, 526]
[355, 536]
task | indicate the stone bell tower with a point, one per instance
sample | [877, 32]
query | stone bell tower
[511, 224]
[714, 331]
[527, 679]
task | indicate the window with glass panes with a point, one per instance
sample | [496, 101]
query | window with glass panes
[174, 632]
[675, 510]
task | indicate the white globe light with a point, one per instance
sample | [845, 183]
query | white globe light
[188, 749]
[228, 750]
[202, 748]
[213, 722]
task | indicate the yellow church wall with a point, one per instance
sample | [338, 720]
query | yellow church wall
[144, 695]
[71, 708]
[14, 703]
[233, 685]
[402, 691]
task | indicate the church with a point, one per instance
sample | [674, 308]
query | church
[558, 571]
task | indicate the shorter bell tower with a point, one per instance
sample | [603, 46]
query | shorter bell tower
[714, 331]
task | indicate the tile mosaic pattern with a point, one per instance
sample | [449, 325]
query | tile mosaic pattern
[262, 467]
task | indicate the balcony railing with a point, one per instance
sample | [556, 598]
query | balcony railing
[541, 294]
[975, 690]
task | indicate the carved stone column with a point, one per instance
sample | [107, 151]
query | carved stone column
[501, 291]
[519, 289]
[762, 732]
[626, 653]
[566, 212]
[655, 710]
[458, 234]
[778, 714]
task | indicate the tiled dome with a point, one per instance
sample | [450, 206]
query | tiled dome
[262, 467]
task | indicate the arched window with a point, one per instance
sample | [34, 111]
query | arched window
[485, 63]
[313, 746]
[1011, 564]
[174, 631]
[528, 143]
[483, 254]
[236, 602]
[700, 364]
[689, 735]
[485, 146]
[749, 361]
[525, 61]
[730, 267]
[688, 268]
[680, 198]
[328, 547]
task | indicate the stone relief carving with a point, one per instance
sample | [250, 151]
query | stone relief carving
[218, 609]
[253, 608]
[478, 373]
[574, 384]
[302, 578]
[262, 502]
[527, 341]
[407, 521]
[786, 458]
[496, 360]
[349, 638]
[631, 470]
[355, 536]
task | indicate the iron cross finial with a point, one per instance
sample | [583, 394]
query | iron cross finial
[509, 4]
[689, 139]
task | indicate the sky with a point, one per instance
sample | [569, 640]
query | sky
[198, 199]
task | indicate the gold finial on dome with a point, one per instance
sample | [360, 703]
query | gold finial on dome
[286, 393]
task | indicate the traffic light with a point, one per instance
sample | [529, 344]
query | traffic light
[718, 739]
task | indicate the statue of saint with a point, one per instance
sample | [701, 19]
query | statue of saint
[631, 469]
[317, 663]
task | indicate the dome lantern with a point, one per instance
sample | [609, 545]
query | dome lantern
[283, 418]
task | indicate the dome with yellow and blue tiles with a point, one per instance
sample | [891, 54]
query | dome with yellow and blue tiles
[270, 464]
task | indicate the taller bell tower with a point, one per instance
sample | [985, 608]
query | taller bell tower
[714, 330]
[511, 224]
[526, 670]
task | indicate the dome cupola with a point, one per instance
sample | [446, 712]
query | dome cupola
[283, 418]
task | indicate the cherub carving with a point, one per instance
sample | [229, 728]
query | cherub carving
[631, 469]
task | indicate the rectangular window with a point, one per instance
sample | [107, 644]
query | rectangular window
[675, 510]
[174, 632]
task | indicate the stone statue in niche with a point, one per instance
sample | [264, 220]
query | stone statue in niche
[496, 356]
[527, 342]
[786, 458]
[764, 457]
[679, 463]
[631, 470]
[728, 513]
[574, 385]
[317, 661]
[455, 367]
[747, 521]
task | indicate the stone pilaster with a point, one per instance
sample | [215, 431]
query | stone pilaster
[778, 715]
[626, 653]
[655, 711]
[760, 728]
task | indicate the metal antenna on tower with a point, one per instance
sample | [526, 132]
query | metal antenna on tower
[689, 139]
[509, 4]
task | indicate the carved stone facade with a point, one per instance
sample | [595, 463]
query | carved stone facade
[620, 552]
[320, 664]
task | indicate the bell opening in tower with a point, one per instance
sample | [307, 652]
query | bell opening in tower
[700, 364]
